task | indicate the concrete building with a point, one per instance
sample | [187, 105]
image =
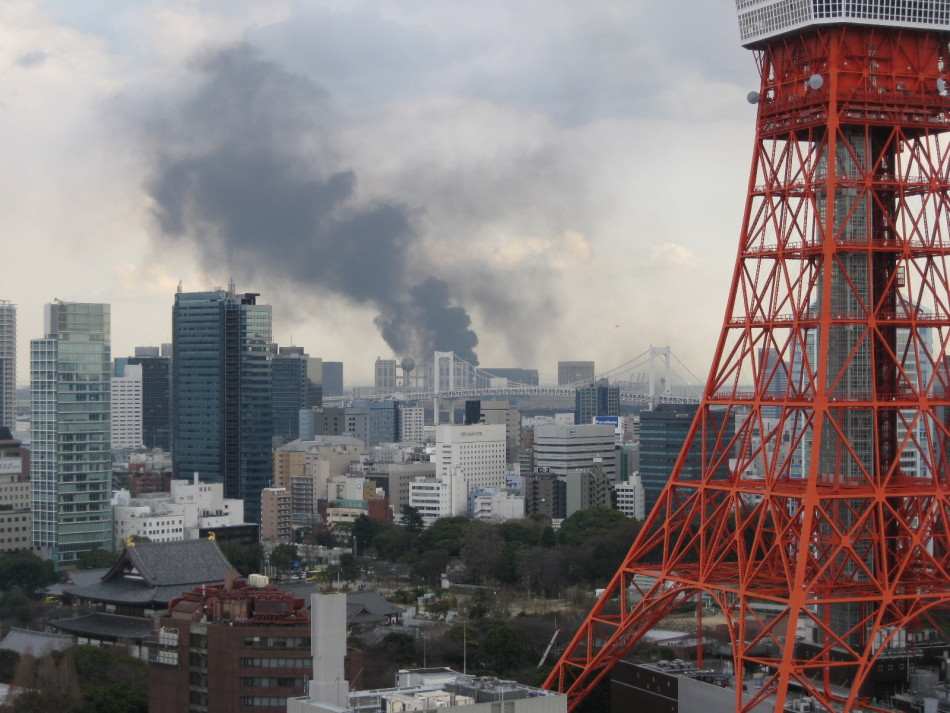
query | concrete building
[596, 399]
[8, 364]
[395, 480]
[188, 511]
[323, 421]
[575, 372]
[496, 504]
[221, 381]
[126, 391]
[321, 457]
[494, 413]
[587, 488]
[385, 374]
[545, 494]
[631, 500]
[410, 423]
[565, 449]
[14, 493]
[71, 465]
[276, 506]
[415, 690]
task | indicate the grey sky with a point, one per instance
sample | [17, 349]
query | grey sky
[563, 168]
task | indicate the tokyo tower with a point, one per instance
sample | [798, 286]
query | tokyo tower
[820, 526]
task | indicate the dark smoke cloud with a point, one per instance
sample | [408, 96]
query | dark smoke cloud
[246, 170]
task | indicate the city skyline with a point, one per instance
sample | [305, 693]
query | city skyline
[525, 165]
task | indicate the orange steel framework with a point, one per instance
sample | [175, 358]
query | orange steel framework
[831, 369]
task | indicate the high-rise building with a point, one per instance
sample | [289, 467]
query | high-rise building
[126, 417]
[296, 385]
[71, 463]
[156, 393]
[333, 378]
[597, 399]
[221, 384]
[662, 434]
[574, 372]
[373, 422]
[410, 423]
[7, 364]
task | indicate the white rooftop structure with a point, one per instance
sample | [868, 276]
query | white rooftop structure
[764, 19]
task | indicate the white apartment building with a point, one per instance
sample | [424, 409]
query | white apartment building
[177, 515]
[411, 424]
[631, 500]
[496, 505]
[126, 394]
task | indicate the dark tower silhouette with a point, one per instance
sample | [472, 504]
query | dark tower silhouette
[830, 360]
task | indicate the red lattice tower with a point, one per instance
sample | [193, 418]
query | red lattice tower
[830, 366]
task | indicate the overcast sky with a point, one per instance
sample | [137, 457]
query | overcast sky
[568, 176]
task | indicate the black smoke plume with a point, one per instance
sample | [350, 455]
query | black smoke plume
[246, 169]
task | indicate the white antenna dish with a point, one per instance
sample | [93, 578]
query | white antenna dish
[752, 97]
[816, 81]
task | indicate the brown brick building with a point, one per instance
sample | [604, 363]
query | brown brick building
[230, 648]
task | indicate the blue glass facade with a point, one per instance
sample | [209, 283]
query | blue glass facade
[71, 469]
[662, 435]
[221, 385]
[296, 386]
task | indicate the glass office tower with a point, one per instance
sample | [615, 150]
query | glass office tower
[221, 384]
[71, 468]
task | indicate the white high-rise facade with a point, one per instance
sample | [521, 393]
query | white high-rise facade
[8, 364]
[127, 408]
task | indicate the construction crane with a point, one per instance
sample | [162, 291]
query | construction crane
[544, 657]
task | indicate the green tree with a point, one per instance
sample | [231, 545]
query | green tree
[412, 520]
[481, 551]
[349, 569]
[246, 559]
[283, 556]
[26, 571]
[548, 538]
[96, 558]
[113, 698]
[586, 524]
[364, 530]
[390, 544]
[447, 533]
[501, 649]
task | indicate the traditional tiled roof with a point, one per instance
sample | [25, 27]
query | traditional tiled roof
[172, 563]
[368, 606]
[36, 643]
[106, 625]
[156, 572]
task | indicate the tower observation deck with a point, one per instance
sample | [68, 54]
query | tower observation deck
[834, 508]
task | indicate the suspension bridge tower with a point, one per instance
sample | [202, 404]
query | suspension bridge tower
[835, 506]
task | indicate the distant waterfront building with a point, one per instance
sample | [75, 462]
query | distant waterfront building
[71, 464]
[528, 377]
[8, 364]
[126, 390]
[296, 384]
[333, 378]
[221, 380]
[574, 372]
[385, 374]
[156, 393]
